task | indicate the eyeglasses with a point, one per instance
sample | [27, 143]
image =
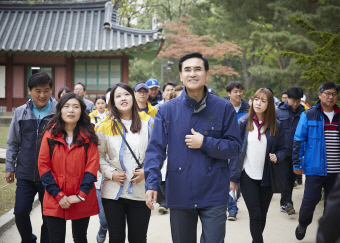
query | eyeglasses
[330, 94]
[142, 92]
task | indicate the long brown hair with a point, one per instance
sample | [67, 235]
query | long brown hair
[136, 124]
[269, 114]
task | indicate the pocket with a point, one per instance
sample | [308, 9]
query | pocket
[314, 131]
[212, 129]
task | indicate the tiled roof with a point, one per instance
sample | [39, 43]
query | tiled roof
[68, 27]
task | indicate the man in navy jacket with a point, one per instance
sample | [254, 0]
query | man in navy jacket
[201, 133]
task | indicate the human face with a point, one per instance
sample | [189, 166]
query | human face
[328, 98]
[79, 90]
[193, 74]
[71, 111]
[123, 100]
[153, 92]
[142, 95]
[40, 95]
[260, 105]
[284, 97]
[294, 103]
[169, 89]
[100, 105]
[235, 95]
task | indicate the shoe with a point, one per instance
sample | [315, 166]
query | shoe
[232, 216]
[283, 208]
[300, 232]
[101, 236]
[299, 182]
[295, 184]
[290, 209]
[162, 208]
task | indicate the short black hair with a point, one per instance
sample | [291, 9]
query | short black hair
[81, 85]
[328, 85]
[193, 55]
[169, 83]
[295, 93]
[38, 79]
[232, 85]
[284, 92]
[66, 89]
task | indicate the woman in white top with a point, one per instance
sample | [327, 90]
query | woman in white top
[123, 187]
[263, 146]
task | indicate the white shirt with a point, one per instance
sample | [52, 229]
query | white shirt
[237, 108]
[330, 115]
[69, 141]
[255, 154]
[102, 116]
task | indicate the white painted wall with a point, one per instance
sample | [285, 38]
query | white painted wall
[2, 81]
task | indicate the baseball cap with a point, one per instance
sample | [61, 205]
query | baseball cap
[152, 82]
[141, 86]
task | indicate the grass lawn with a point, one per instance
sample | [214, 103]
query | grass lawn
[3, 136]
[7, 194]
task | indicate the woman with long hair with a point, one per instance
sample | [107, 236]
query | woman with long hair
[262, 144]
[68, 164]
[123, 141]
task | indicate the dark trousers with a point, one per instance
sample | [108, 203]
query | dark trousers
[257, 199]
[312, 195]
[137, 216]
[286, 195]
[24, 197]
[57, 229]
[161, 194]
[184, 224]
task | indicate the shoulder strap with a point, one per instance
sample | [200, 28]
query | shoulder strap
[51, 144]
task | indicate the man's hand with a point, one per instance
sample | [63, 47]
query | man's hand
[273, 157]
[9, 177]
[140, 176]
[194, 141]
[233, 186]
[73, 199]
[119, 177]
[64, 203]
[150, 198]
[298, 171]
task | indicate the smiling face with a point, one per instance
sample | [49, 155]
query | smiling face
[123, 100]
[235, 95]
[100, 105]
[260, 104]
[193, 74]
[40, 95]
[169, 89]
[79, 90]
[153, 92]
[71, 111]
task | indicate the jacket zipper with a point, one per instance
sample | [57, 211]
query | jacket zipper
[35, 152]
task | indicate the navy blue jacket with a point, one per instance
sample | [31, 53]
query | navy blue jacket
[236, 164]
[289, 121]
[156, 100]
[196, 178]
[243, 109]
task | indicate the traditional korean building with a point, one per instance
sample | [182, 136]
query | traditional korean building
[72, 42]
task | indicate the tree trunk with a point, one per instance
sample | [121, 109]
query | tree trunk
[244, 69]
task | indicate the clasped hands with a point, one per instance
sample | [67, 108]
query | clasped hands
[120, 176]
[66, 201]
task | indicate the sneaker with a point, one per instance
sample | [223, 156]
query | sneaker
[300, 232]
[232, 216]
[290, 209]
[162, 209]
[299, 182]
[283, 208]
[101, 236]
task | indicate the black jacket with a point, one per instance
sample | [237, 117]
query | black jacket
[156, 100]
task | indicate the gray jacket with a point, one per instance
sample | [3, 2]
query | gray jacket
[23, 141]
[89, 105]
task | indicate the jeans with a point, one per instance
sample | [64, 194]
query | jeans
[57, 229]
[101, 215]
[312, 195]
[137, 217]
[286, 195]
[257, 199]
[24, 197]
[184, 224]
[232, 205]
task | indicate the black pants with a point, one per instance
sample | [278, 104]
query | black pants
[137, 216]
[257, 199]
[161, 194]
[286, 195]
[57, 229]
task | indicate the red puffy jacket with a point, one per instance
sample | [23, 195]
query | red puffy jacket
[68, 167]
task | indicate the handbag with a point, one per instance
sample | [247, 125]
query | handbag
[277, 177]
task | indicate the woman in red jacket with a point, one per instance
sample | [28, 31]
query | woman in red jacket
[68, 164]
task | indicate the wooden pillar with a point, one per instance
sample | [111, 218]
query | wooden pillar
[125, 69]
[70, 72]
[9, 83]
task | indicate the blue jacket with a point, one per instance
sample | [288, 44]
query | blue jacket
[289, 121]
[243, 109]
[196, 178]
[24, 139]
[236, 164]
[310, 131]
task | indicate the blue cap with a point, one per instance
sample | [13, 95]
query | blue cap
[141, 86]
[152, 82]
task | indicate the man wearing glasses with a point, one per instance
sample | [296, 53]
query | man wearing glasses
[142, 95]
[317, 138]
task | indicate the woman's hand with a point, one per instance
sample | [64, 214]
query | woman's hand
[140, 176]
[119, 177]
[233, 186]
[73, 199]
[273, 157]
[64, 203]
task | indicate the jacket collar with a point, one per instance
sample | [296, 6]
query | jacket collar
[319, 107]
[198, 106]
[244, 105]
[53, 109]
[285, 106]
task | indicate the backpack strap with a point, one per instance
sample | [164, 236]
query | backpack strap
[51, 144]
